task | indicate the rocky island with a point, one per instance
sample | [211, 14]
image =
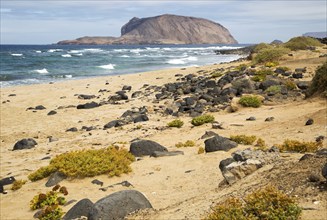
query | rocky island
[163, 29]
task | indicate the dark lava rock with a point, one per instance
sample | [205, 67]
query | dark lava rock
[270, 119]
[145, 147]
[322, 152]
[88, 105]
[309, 122]
[208, 134]
[306, 156]
[55, 178]
[267, 83]
[320, 138]
[313, 178]
[224, 163]
[73, 129]
[82, 96]
[90, 128]
[251, 118]
[114, 123]
[6, 181]
[141, 118]
[297, 75]
[136, 94]
[97, 182]
[82, 208]
[218, 143]
[128, 88]
[39, 107]
[25, 144]
[324, 171]
[166, 153]
[118, 205]
[303, 85]
[301, 70]
[52, 112]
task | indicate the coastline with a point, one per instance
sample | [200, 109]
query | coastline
[173, 192]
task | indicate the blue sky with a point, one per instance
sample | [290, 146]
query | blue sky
[46, 21]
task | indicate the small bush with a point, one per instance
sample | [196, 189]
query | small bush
[250, 101]
[261, 144]
[319, 81]
[243, 139]
[241, 67]
[283, 68]
[18, 184]
[298, 146]
[270, 54]
[290, 85]
[188, 143]
[274, 89]
[271, 64]
[268, 203]
[216, 74]
[262, 46]
[202, 119]
[200, 150]
[176, 123]
[261, 75]
[50, 203]
[88, 163]
[302, 43]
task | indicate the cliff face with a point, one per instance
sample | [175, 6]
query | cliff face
[165, 29]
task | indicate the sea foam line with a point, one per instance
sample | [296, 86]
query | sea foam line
[108, 66]
[42, 71]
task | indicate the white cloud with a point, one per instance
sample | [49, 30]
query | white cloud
[5, 10]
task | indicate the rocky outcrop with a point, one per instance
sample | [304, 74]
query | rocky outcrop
[165, 29]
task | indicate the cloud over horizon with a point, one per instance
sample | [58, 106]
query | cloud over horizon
[44, 22]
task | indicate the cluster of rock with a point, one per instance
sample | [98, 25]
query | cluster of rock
[115, 206]
[243, 163]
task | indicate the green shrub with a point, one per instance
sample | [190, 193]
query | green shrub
[241, 67]
[261, 75]
[50, 203]
[243, 139]
[202, 119]
[88, 163]
[271, 64]
[176, 123]
[290, 85]
[200, 150]
[274, 89]
[270, 54]
[188, 143]
[216, 74]
[250, 101]
[261, 144]
[268, 203]
[262, 46]
[298, 146]
[18, 184]
[302, 43]
[319, 81]
[283, 68]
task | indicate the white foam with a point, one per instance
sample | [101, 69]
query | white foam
[182, 60]
[75, 51]
[16, 54]
[66, 55]
[42, 71]
[108, 67]
[79, 54]
[54, 50]
[124, 56]
[93, 50]
[137, 51]
[38, 51]
[68, 76]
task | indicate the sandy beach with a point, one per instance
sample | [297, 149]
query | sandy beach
[178, 187]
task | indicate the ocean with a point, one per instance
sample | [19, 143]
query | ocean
[33, 64]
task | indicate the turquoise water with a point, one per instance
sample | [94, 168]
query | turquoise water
[32, 64]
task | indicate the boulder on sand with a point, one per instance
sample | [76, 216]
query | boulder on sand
[25, 144]
[217, 143]
[145, 147]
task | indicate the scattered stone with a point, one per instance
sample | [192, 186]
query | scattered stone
[118, 205]
[73, 129]
[297, 75]
[114, 123]
[128, 88]
[145, 147]
[218, 143]
[52, 112]
[83, 96]
[25, 144]
[39, 107]
[141, 118]
[251, 118]
[55, 178]
[322, 152]
[224, 163]
[309, 121]
[46, 158]
[52, 139]
[90, 128]
[217, 125]
[88, 105]
[10, 95]
[6, 181]
[303, 85]
[324, 171]
[306, 156]
[313, 178]
[320, 138]
[165, 154]
[208, 134]
[269, 119]
[97, 182]
[82, 208]
[301, 70]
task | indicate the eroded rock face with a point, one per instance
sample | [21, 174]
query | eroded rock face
[165, 29]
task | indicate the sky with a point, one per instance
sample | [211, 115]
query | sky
[47, 21]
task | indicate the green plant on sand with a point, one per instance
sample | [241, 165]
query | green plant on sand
[274, 89]
[319, 81]
[202, 119]
[250, 101]
[267, 203]
[177, 123]
[88, 163]
[298, 146]
[272, 54]
[18, 184]
[261, 75]
[187, 143]
[302, 43]
[243, 139]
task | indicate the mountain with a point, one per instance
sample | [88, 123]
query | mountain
[321, 34]
[165, 29]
